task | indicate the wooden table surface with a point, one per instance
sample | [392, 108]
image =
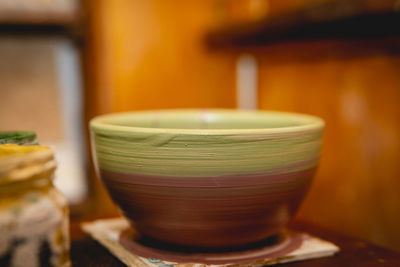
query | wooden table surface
[354, 252]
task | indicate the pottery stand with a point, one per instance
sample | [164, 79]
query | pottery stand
[108, 232]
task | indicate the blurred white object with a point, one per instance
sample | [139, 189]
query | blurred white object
[247, 82]
[70, 175]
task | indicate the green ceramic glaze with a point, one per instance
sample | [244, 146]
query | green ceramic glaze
[18, 137]
[206, 142]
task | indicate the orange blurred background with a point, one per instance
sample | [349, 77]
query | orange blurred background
[153, 55]
[337, 59]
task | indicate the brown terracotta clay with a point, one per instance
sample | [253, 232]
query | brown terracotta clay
[205, 212]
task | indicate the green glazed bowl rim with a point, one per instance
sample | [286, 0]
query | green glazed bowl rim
[305, 122]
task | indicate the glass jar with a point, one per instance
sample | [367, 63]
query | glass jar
[33, 214]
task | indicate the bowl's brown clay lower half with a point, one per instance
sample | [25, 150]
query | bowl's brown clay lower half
[208, 212]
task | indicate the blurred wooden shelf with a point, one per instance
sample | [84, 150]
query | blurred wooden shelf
[68, 30]
[40, 17]
[337, 19]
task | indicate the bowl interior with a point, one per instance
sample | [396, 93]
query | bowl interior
[208, 119]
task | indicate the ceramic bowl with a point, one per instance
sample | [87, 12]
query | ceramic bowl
[207, 178]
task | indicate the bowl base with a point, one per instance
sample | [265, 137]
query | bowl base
[275, 246]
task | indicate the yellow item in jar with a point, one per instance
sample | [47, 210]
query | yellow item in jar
[33, 214]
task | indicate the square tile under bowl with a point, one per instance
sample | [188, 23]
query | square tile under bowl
[108, 231]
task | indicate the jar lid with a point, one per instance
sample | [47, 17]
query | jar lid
[18, 137]
[20, 163]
